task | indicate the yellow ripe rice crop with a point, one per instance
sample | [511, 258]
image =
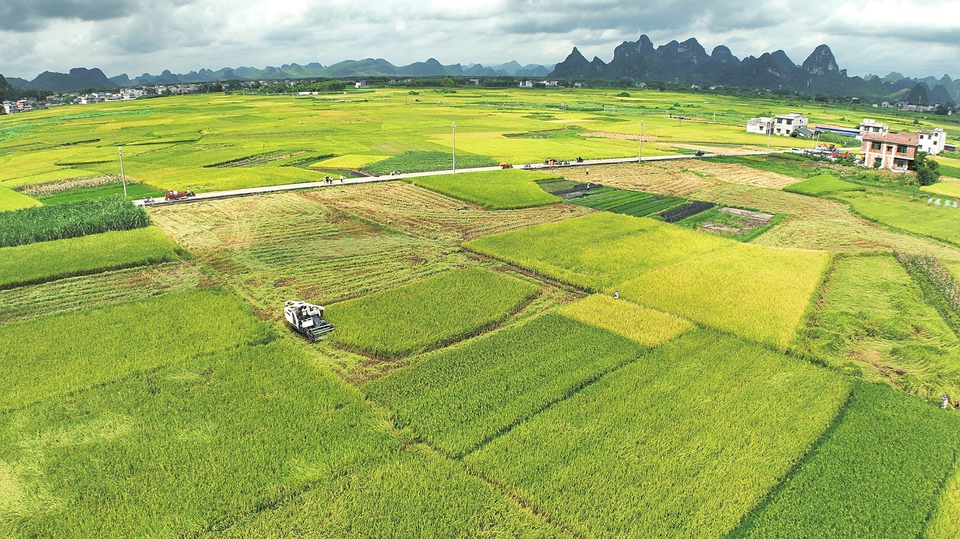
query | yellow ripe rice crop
[637, 323]
[12, 200]
[755, 292]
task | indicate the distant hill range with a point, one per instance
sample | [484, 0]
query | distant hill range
[689, 63]
[347, 69]
[81, 78]
[640, 61]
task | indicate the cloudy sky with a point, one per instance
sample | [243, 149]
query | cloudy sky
[137, 36]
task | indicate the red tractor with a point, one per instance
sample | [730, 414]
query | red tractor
[177, 195]
[506, 165]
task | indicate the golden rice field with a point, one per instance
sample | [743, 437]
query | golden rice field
[635, 322]
[759, 293]
[482, 381]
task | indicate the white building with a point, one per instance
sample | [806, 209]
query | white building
[526, 84]
[872, 127]
[9, 107]
[932, 141]
[784, 124]
[762, 126]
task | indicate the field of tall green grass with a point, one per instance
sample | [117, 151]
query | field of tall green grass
[683, 442]
[51, 260]
[427, 314]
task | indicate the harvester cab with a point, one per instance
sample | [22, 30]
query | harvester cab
[306, 319]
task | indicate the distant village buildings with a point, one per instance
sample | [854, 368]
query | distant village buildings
[932, 141]
[782, 124]
[868, 126]
[785, 124]
[761, 125]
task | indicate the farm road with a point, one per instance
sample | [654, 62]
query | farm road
[350, 181]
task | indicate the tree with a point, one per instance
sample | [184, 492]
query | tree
[449, 83]
[927, 173]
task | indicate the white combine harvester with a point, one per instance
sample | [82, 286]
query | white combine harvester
[306, 319]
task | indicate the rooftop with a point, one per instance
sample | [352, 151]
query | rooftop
[895, 138]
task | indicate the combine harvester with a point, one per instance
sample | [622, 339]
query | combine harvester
[306, 319]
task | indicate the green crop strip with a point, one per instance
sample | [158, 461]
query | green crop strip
[424, 315]
[698, 431]
[51, 260]
[461, 397]
[56, 355]
[495, 190]
[71, 220]
[876, 475]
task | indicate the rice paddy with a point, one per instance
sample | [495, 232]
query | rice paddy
[700, 428]
[903, 451]
[755, 292]
[482, 380]
[872, 320]
[497, 190]
[412, 318]
[822, 185]
[51, 260]
[457, 399]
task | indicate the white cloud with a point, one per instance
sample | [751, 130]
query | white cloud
[916, 38]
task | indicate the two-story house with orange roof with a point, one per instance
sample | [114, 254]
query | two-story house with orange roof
[891, 151]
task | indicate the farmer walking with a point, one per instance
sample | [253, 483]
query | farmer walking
[945, 403]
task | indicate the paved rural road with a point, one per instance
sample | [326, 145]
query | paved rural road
[351, 181]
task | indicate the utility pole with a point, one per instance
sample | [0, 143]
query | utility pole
[769, 133]
[454, 147]
[123, 176]
[640, 155]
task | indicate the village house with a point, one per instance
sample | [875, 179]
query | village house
[872, 127]
[785, 124]
[9, 107]
[762, 126]
[932, 141]
[896, 152]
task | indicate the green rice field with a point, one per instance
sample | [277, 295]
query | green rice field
[903, 451]
[701, 428]
[496, 190]
[947, 189]
[756, 292]
[874, 322]
[456, 399]
[12, 200]
[915, 216]
[50, 260]
[509, 359]
[115, 342]
[821, 185]
[636, 204]
[421, 315]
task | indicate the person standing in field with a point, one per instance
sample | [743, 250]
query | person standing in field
[945, 403]
[341, 178]
[616, 294]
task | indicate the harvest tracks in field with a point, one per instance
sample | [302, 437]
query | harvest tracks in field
[331, 245]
